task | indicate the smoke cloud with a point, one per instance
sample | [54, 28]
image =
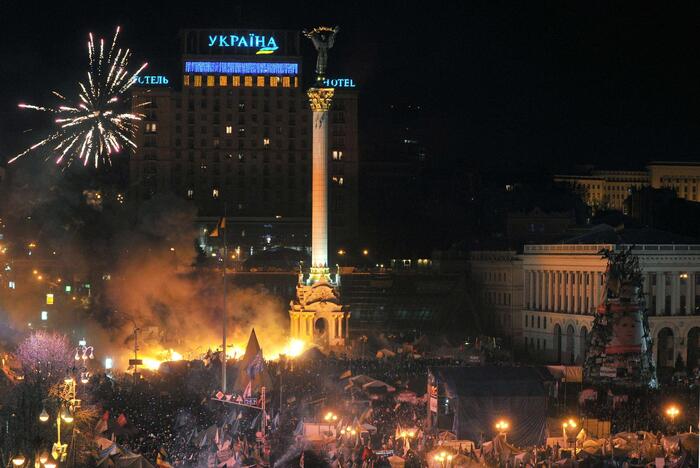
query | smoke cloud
[144, 266]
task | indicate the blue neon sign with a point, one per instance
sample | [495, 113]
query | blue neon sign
[152, 80]
[242, 68]
[264, 44]
[339, 83]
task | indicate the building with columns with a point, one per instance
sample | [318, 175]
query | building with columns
[564, 283]
[499, 276]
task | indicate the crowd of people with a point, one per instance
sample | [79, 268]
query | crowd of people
[171, 416]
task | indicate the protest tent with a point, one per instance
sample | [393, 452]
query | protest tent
[479, 396]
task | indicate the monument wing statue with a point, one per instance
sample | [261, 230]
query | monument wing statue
[323, 38]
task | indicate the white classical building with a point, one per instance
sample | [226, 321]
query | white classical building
[564, 283]
[499, 276]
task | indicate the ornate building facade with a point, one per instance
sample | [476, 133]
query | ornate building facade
[563, 284]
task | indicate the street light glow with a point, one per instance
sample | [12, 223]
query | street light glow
[672, 411]
[502, 425]
[66, 416]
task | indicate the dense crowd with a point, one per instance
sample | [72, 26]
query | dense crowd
[171, 415]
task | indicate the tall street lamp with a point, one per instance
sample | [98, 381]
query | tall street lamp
[570, 423]
[672, 411]
[502, 428]
[69, 403]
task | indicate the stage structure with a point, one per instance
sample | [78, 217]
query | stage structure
[317, 314]
[619, 350]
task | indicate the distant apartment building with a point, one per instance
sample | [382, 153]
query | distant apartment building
[609, 189]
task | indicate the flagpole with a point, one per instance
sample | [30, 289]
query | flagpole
[223, 365]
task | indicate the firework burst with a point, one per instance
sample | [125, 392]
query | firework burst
[92, 128]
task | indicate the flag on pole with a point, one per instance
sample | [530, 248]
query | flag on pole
[221, 224]
[256, 366]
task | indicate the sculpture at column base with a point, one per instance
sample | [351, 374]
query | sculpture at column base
[317, 315]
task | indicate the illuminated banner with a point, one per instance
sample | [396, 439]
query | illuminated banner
[264, 44]
[242, 68]
[152, 80]
[339, 83]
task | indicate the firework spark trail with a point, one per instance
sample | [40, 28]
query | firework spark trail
[92, 128]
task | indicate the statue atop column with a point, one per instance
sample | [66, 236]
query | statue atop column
[323, 38]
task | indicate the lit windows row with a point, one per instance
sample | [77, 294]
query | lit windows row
[237, 81]
[215, 192]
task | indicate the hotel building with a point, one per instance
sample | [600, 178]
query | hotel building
[234, 130]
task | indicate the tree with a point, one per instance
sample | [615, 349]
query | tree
[45, 357]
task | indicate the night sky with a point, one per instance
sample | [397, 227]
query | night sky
[510, 83]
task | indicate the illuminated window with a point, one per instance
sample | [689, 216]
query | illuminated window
[260, 82]
[248, 81]
[338, 155]
[44, 315]
[190, 193]
[186, 80]
[151, 127]
[49, 299]
[236, 81]
[68, 288]
[223, 80]
[274, 81]
[197, 81]
[296, 82]
[338, 180]
[211, 80]
[266, 141]
[215, 193]
[285, 82]
[11, 285]
[229, 129]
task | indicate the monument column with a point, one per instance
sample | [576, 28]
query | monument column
[318, 295]
[320, 100]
